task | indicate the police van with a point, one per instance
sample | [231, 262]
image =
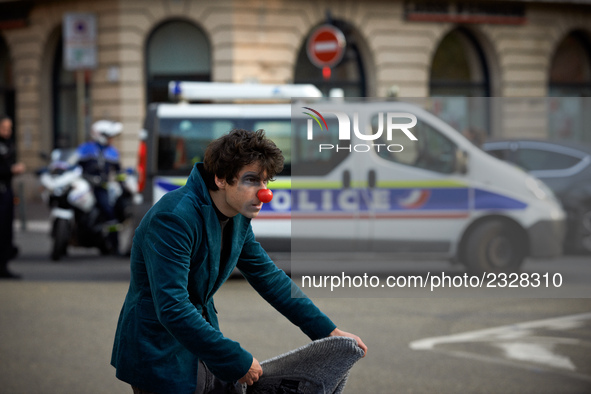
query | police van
[384, 177]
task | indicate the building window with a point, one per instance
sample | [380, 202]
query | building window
[459, 81]
[569, 86]
[65, 103]
[176, 51]
[6, 82]
[570, 70]
[459, 68]
[348, 75]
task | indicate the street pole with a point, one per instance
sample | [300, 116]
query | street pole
[80, 96]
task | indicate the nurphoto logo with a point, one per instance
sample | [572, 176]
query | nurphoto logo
[345, 130]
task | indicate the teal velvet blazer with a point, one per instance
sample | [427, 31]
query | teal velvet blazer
[168, 321]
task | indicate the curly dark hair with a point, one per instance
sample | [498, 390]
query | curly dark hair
[227, 155]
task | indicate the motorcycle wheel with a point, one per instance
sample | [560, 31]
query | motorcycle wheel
[61, 237]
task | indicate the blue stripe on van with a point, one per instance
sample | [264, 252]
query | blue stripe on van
[167, 186]
[487, 200]
[388, 200]
[381, 200]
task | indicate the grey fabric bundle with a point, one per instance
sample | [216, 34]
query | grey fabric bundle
[320, 367]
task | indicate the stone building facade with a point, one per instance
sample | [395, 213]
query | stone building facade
[409, 48]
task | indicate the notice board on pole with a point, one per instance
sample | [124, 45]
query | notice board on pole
[79, 31]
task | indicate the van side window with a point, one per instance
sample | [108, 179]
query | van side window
[182, 142]
[307, 158]
[432, 151]
[280, 132]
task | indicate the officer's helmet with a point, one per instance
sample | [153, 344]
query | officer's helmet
[102, 130]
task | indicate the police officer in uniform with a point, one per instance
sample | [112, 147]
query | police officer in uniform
[8, 168]
[100, 161]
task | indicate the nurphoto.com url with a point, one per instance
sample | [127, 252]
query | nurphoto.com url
[435, 281]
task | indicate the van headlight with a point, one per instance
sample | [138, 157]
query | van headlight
[539, 189]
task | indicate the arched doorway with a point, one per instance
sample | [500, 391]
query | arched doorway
[348, 75]
[569, 85]
[459, 77]
[176, 50]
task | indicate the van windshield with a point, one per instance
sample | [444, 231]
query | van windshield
[182, 141]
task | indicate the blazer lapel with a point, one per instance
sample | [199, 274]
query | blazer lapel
[213, 233]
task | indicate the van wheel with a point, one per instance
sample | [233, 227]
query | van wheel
[493, 246]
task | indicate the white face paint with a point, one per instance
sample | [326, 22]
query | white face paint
[241, 197]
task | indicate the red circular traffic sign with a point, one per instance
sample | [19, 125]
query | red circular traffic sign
[326, 46]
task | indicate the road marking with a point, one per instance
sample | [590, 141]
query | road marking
[33, 225]
[519, 344]
[538, 353]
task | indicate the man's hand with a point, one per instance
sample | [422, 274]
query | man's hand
[17, 168]
[338, 333]
[253, 374]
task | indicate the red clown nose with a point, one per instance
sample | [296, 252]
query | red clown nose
[265, 195]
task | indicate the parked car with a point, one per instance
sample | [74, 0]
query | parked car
[566, 168]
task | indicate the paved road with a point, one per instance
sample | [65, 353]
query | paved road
[57, 327]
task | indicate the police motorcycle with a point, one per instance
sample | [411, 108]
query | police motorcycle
[76, 218]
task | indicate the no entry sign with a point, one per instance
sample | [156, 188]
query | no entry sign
[326, 46]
